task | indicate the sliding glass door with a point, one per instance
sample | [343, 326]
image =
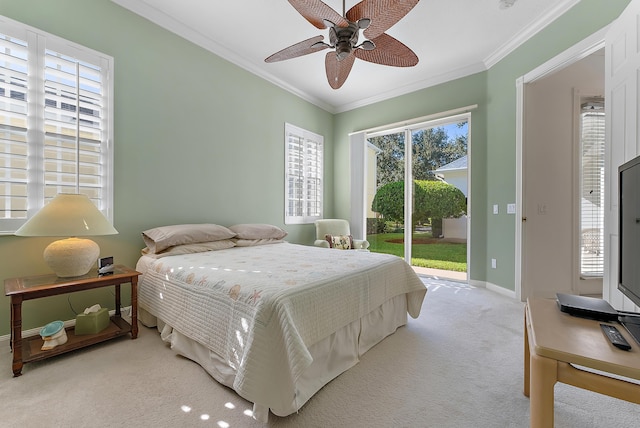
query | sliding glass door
[407, 188]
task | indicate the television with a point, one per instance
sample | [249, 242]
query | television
[629, 241]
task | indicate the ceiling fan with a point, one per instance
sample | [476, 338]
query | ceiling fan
[374, 17]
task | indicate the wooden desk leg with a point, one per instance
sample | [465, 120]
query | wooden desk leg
[544, 375]
[527, 356]
[134, 307]
[16, 334]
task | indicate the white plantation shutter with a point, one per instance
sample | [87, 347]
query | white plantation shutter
[303, 175]
[592, 119]
[56, 121]
[13, 128]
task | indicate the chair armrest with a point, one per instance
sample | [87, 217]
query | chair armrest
[321, 243]
[360, 244]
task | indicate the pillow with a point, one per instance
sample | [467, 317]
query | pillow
[161, 238]
[340, 242]
[258, 231]
[253, 242]
[199, 247]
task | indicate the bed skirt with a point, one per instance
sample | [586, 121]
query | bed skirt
[331, 356]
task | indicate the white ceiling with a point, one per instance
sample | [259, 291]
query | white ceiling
[452, 38]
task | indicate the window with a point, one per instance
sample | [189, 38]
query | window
[56, 103]
[303, 175]
[592, 117]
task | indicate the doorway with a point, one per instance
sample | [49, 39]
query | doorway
[548, 172]
[427, 221]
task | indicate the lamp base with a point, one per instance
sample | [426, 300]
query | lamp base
[72, 256]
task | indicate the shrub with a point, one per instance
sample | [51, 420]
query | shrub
[433, 201]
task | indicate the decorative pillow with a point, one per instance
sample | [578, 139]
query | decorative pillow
[258, 231]
[199, 247]
[161, 238]
[340, 242]
[254, 242]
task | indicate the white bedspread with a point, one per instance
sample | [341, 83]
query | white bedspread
[261, 307]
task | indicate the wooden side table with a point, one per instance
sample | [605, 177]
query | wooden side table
[556, 342]
[27, 349]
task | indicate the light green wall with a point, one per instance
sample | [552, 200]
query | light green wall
[197, 139]
[582, 20]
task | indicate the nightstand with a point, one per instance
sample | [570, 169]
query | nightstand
[27, 349]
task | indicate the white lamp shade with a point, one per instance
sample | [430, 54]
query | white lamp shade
[69, 215]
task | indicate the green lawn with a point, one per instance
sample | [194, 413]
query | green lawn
[426, 252]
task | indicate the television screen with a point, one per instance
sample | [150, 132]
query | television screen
[629, 229]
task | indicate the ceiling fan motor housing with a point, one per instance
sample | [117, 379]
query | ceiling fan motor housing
[344, 39]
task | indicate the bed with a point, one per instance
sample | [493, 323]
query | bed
[275, 321]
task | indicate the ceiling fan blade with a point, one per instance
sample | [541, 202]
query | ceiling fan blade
[317, 12]
[383, 14]
[388, 51]
[305, 47]
[338, 71]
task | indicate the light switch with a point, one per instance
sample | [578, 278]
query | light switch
[495, 208]
[511, 208]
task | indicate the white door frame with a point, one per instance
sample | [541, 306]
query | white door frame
[357, 151]
[575, 53]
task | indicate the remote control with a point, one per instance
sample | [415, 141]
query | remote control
[615, 337]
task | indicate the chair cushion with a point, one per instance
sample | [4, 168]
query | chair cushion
[340, 242]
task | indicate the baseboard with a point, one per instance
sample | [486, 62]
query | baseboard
[493, 287]
[501, 290]
[125, 311]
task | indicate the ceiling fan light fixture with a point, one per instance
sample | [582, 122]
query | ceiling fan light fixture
[367, 45]
[343, 50]
[320, 45]
[363, 23]
[328, 24]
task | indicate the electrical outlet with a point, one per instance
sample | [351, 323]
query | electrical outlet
[495, 209]
[511, 208]
[494, 264]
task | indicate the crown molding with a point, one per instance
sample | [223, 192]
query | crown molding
[143, 9]
[169, 23]
[529, 31]
[422, 84]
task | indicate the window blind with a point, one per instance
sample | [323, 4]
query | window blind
[55, 118]
[592, 189]
[73, 120]
[304, 175]
[13, 126]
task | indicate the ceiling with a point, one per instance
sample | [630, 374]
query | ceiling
[452, 39]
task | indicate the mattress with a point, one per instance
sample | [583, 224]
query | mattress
[261, 309]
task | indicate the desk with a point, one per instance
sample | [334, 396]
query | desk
[34, 287]
[556, 342]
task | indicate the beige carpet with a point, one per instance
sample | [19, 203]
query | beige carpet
[458, 365]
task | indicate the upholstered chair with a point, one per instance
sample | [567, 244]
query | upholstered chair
[336, 233]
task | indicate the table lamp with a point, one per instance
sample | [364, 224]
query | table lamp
[70, 215]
